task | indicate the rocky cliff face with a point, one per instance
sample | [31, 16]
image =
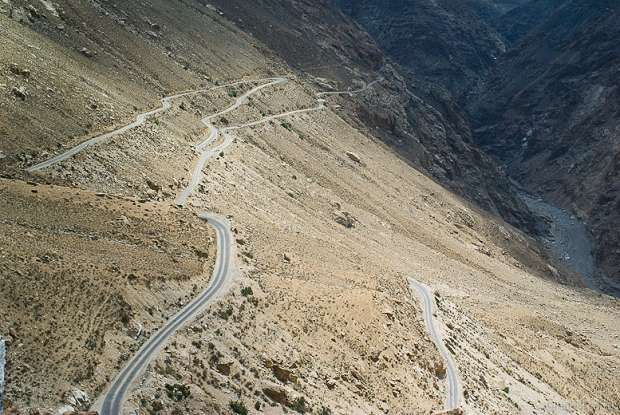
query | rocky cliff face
[539, 79]
[550, 110]
[517, 22]
[444, 43]
[412, 112]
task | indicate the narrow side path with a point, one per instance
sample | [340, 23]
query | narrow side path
[205, 153]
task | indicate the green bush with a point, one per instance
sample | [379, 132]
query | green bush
[247, 291]
[287, 125]
[177, 392]
[238, 407]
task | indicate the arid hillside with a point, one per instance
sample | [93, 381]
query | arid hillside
[339, 185]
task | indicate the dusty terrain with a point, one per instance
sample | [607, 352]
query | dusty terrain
[85, 278]
[329, 224]
[339, 294]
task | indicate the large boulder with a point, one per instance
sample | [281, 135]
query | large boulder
[276, 393]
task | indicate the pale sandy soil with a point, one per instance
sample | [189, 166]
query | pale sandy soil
[337, 312]
[330, 317]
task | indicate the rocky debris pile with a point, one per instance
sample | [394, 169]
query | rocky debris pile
[16, 70]
[20, 92]
[283, 374]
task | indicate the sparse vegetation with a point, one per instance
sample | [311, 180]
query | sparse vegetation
[287, 125]
[238, 407]
[300, 405]
[225, 313]
[247, 291]
[177, 392]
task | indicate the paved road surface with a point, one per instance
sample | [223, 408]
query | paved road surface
[453, 398]
[350, 93]
[112, 402]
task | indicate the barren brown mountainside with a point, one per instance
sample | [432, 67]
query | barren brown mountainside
[235, 207]
[426, 128]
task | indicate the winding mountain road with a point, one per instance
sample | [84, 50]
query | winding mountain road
[203, 147]
[349, 92]
[206, 153]
[112, 402]
[453, 397]
[140, 119]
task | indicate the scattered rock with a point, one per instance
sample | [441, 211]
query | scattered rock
[354, 157]
[484, 250]
[86, 52]
[152, 185]
[33, 11]
[77, 399]
[387, 310]
[331, 383]
[225, 367]
[14, 69]
[200, 253]
[440, 370]
[276, 393]
[284, 375]
[124, 220]
[554, 272]
[19, 92]
[345, 219]
[286, 257]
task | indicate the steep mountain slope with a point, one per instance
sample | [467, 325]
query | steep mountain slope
[550, 111]
[69, 70]
[443, 43]
[326, 44]
[328, 222]
[431, 128]
[519, 21]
